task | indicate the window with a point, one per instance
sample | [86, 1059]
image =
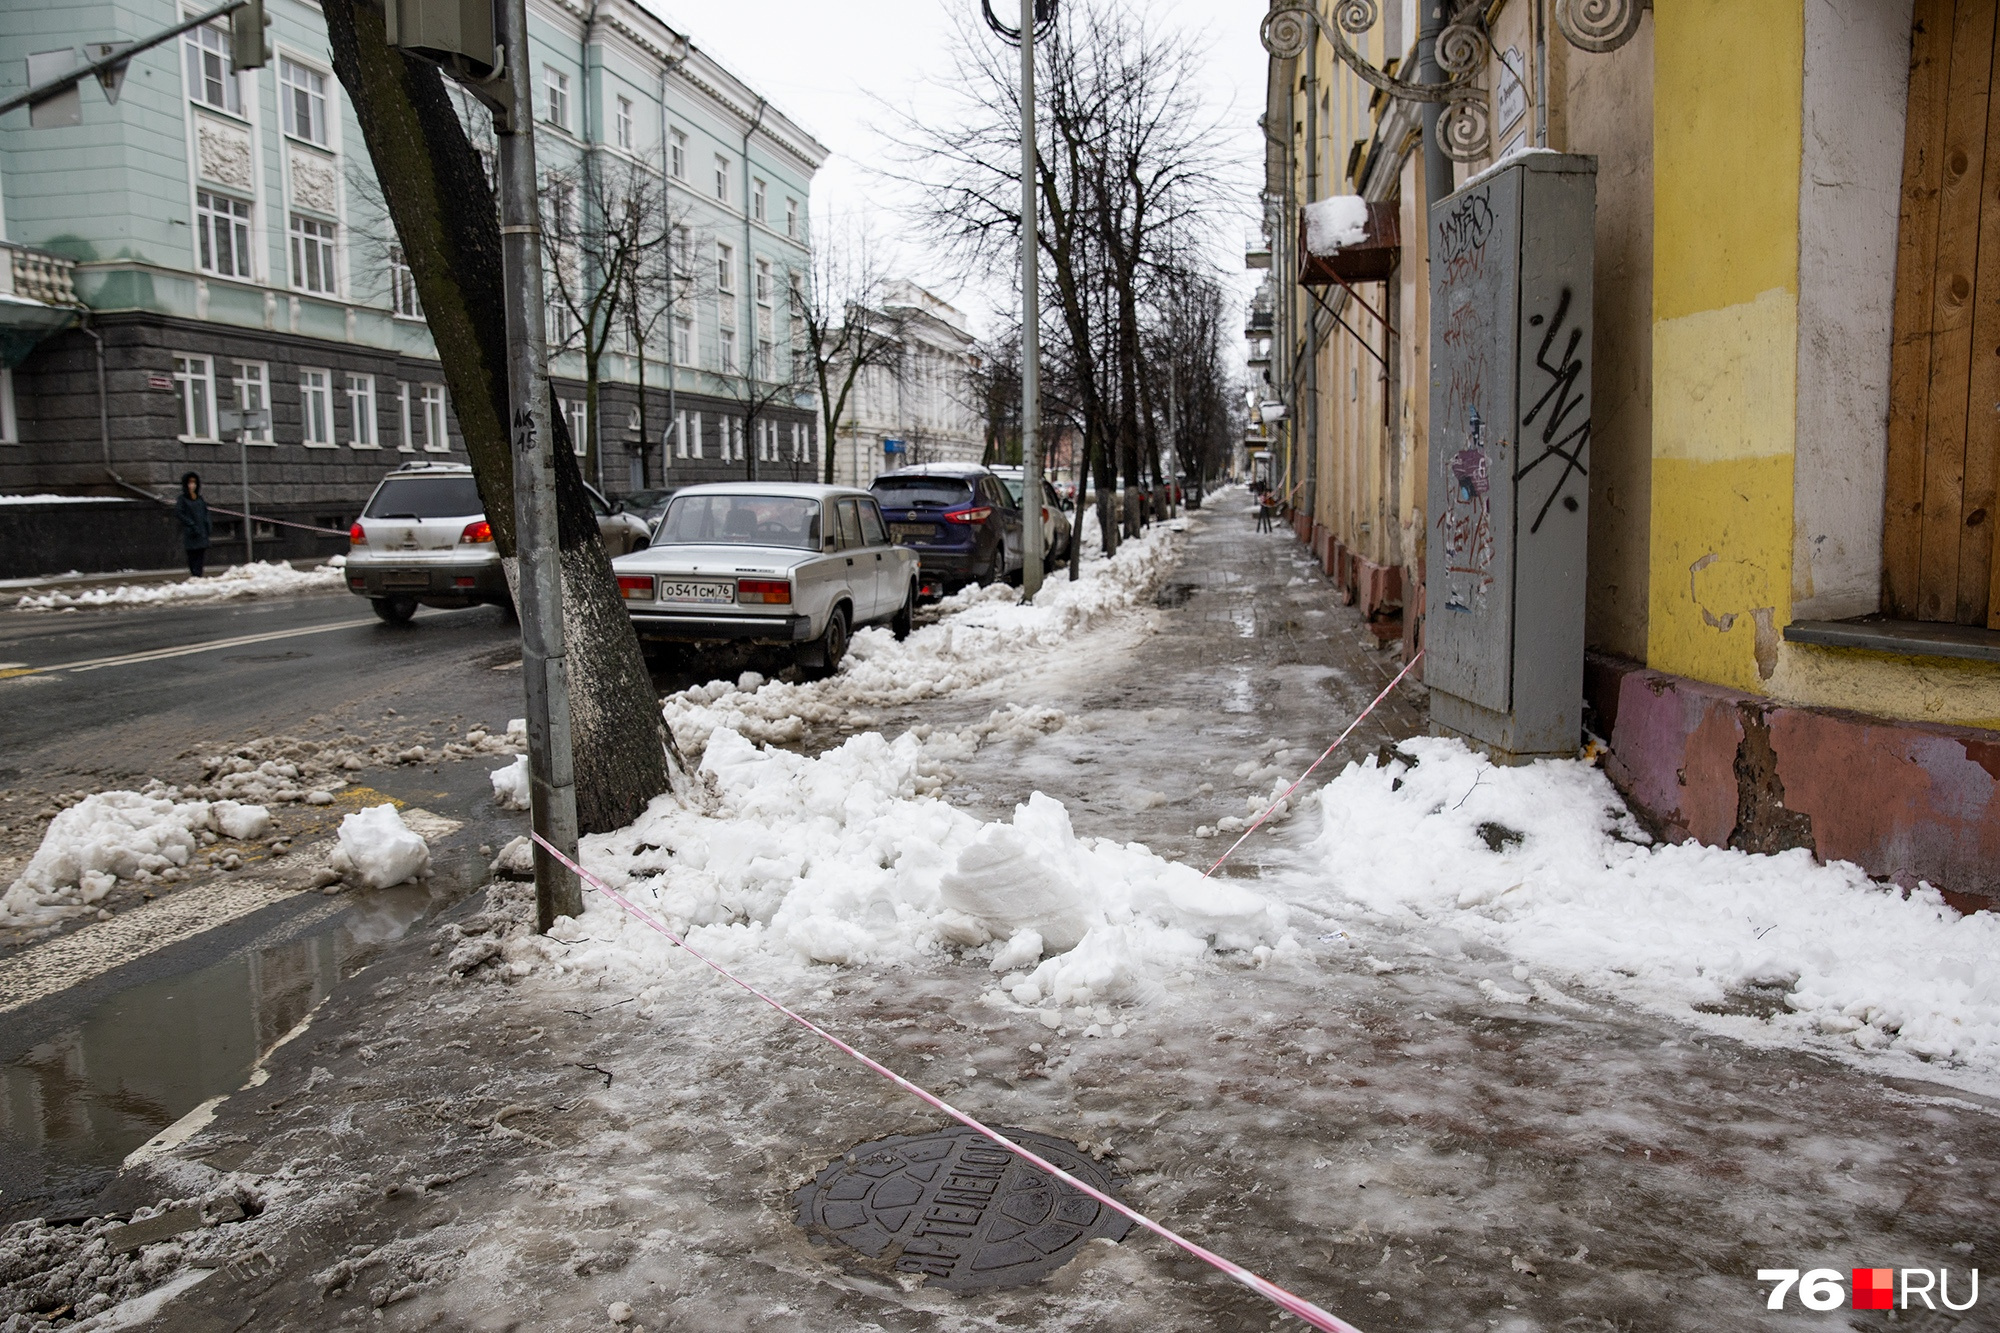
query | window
[10, 425]
[621, 124]
[312, 255]
[677, 155]
[722, 178]
[792, 218]
[222, 230]
[735, 426]
[763, 282]
[725, 268]
[682, 350]
[555, 97]
[316, 406]
[302, 94]
[195, 376]
[757, 199]
[694, 435]
[436, 437]
[577, 413]
[680, 430]
[211, 78]
[799, 438]
[252, 382]
[361, 412]
[727, 341]
[764, 364]
[402, 286]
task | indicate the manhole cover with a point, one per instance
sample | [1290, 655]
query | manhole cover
[959, 1209]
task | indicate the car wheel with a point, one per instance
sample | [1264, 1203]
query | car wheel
[905, 619]
[989, 573]
[821, 658]
[394, 610]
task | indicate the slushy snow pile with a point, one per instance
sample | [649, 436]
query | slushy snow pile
[1545, 863]
[510, 785]
[377, 849]
[983, 634]
[116, 835]
[265, 579]
[1336, 222]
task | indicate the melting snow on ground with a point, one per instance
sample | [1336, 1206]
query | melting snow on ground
[1546, 863]
[270, 579]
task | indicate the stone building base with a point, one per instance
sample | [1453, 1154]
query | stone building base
[1904, 801]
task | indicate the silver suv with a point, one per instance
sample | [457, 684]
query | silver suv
[423, 540]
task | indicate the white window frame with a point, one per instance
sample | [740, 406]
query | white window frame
[316, 407]
[431, 402]
[313, 244]
[759, 193]
[403, 301]
[764, 282]
[677, 163]
[194, 376]
[694, 439]
[297, 80]
[725, 350]
[682, 349]
[407, 443]
[361, 411]
[621, 122]
[735, 426]
[577, 412]
[252, 385]
[680, 429]
[799, 438]
[231, 221]
[792, 218]
[766, 361]
[201, 46]
[721, 178]
[10, 423]
[555, 97]
[725, 268]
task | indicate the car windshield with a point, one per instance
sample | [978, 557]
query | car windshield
[922, 492]
[426, 497]
[740, 520]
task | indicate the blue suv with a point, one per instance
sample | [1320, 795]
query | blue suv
[958, 518]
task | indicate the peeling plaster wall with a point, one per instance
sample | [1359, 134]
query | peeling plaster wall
[1857, 69]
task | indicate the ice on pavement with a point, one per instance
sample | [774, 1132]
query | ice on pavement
[116, 835]
[1545, 862]
[264, 579]
[510, 785]
[377, 849]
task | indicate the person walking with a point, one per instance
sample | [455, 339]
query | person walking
[192, 511]
[1264, 511]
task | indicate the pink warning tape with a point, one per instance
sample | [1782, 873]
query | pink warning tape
[1407, 667]
[1270, 1291]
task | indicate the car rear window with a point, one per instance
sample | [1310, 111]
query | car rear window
[740, 520]
[426, 497]
[925, 492]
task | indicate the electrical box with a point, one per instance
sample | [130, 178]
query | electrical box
[1509, 496]
[458, 34]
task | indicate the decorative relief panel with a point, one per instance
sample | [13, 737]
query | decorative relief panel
[224, 154]
[315, 182]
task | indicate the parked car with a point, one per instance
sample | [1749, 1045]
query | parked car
[1057, 531]
[770, 563]
[962, 523]
[646, 505]
[423, 540]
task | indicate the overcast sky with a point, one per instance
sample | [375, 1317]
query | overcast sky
[824, 62]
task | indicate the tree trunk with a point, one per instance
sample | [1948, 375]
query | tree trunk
[448, 224]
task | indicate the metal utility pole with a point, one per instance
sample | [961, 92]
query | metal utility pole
[1031, 323]
[538, 593]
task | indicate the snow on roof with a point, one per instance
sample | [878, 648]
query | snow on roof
[1336, 222]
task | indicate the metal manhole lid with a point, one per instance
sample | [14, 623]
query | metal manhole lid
[959, 1209]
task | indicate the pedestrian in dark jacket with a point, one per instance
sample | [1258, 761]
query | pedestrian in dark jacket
[192, 511]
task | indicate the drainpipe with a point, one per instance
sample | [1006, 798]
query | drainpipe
[1439, 178]
[749, 362]
[104, 419]
[667, 202]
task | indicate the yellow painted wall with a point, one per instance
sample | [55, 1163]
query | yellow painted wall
[1728, 83]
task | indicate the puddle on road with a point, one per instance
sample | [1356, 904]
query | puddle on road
[73, 1106]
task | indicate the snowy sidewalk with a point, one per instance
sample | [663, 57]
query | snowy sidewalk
[1311, 1071]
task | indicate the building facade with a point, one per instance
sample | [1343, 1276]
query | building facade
[220, 237]
[1790, 602]
[921, 404]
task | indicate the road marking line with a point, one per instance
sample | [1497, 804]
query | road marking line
[157, 654]
[42, 970]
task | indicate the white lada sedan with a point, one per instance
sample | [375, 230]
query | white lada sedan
[769, 563]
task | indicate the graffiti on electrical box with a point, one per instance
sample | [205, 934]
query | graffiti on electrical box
[1462, 237]
[1466, 520]
[1560, 399]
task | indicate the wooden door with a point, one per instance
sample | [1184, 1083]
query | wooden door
[1940, 524]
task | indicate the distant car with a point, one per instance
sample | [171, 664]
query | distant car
[646, 505]
[963, 524]
[423, 540]
[770, 563]
[1056, 528]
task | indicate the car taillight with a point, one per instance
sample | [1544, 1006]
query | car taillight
[482, 531]
[356, 537]
[635, 585]
[1045, 514]
[976, 514]
[769, 592]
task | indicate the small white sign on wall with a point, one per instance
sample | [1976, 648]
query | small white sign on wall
[1511, 101]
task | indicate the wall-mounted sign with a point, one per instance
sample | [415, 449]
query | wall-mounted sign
[1510, 102]
[157, 381]
[894, 447]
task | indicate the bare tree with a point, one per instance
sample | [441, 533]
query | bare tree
[843, 329]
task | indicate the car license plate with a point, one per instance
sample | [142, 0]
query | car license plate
[910, 532]
[687, 591]
[405, 578]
